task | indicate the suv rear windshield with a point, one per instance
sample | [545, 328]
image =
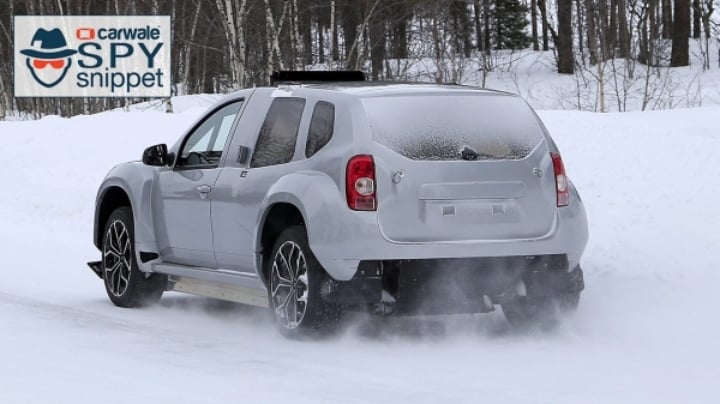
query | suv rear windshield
[440, 127]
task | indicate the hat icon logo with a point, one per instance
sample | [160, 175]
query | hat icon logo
[48, 57]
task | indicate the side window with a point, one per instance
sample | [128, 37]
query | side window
[205, 145]
[321, 129]
[278, 135]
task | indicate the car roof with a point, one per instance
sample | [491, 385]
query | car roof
[383, 88]
[369, 89]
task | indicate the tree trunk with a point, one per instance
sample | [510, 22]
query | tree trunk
[592, 31]
[487, 45]
[269, 50]
[580, 29]
[306, 22]
[295, 35]
[707, 12]
[667, 19]
[611, 34]
[534, 24]
[334, 29]
[401, 40]
[461, 27]
[399, 20]
[350, 24]
[681, 32]
[3, 88]
[566, 60]
[438, 48]
[623, 31]
[542, 5]
[644, 51]
[233, 14]
[708, 7]
[479, 43]
[188, 49]
[697, 18]
[655, 32]
[602, 29]
[321, 44]
[377, 44]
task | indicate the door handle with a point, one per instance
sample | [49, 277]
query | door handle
[204, 190]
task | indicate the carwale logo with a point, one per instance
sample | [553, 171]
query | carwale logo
[92, 56]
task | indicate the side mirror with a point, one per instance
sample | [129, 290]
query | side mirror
[155, 155]
[243, 154]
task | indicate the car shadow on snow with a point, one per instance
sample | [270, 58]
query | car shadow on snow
[357, 325]
[425, 328]
[213, 307]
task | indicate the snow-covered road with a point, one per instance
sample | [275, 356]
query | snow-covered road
[646, 331]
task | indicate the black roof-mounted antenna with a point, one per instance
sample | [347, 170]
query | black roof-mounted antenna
[315, 76]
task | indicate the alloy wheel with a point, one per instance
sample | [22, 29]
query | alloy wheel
[289, 285]
[117, 258]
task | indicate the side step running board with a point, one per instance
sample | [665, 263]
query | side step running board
[216, 290]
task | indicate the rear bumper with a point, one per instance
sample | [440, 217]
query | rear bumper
[449, 286]
[340, 248]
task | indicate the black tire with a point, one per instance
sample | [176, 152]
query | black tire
[125, 284]
[294, 288]
[540, 312]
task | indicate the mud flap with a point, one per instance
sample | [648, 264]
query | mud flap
[96, 267]
[552, 283]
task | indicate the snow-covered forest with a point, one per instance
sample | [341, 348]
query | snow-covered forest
[610, 54]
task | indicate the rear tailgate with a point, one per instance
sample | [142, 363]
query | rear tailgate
[502, 187]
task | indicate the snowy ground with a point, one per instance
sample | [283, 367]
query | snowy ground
[646, 331]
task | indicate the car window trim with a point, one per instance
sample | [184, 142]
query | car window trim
[297, 133]
[309, 134]
[207, 116]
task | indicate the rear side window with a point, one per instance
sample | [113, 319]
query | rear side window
[321, 129]
[278, 135]
[440, 127]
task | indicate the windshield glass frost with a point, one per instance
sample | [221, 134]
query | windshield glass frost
[439, 127]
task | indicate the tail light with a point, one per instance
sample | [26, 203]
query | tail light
[561, 181]
[360, 183]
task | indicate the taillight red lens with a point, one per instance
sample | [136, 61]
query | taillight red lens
[360, 183]
[561, 181]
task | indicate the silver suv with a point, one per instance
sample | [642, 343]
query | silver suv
[313, 199]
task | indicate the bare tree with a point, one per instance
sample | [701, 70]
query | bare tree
[542, 5]
[667, 19]
[189, 44]
[707, 8]
[697, 19]
[533, 24]
[681, 32]
[566, 58]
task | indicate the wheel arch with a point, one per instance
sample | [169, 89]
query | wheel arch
[317, 201]
[278, 217]
[128, 184]
[110, 199]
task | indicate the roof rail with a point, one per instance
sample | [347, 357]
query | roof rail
[314, 76]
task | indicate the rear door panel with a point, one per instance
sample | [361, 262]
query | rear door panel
[241, 188]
